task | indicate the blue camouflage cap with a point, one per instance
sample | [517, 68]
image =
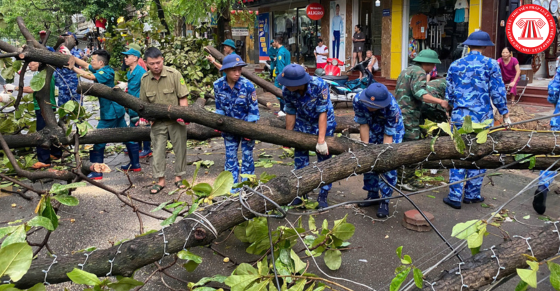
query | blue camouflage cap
[375, 96]
[293, 75]
[232, 61]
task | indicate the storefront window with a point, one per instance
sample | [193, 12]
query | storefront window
[438, 25]
[300, 34]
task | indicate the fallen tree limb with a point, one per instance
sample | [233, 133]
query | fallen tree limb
[144, 250]
[490, 162]
[480, 269]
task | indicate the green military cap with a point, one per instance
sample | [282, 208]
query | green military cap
[427, 56]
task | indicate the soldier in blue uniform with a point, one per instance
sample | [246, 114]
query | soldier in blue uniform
[381, 122]
[111, 113]
[283, 59]
[539, 201]
[309, 110]
[236, 97]
[473, 83]
[67, 82]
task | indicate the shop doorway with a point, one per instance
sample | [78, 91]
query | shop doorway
[370, 19]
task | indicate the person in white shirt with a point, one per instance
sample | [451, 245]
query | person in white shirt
[321, 53]
[372, 64]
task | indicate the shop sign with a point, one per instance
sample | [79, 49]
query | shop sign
[386, 12]
[240, 31]
[263, 35]
[315, 11]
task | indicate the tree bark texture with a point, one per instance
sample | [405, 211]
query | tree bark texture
[479, 269]
[144, 250]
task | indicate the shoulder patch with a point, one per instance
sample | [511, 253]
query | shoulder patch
[325, 93]
[182, 81]
[101, 73]
[279, 57]
[254, 96]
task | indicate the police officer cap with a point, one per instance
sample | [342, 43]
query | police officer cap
[293, 75]
[375, 96]
[229, 42]
[479, 38]
[427, 56]
[232, 61]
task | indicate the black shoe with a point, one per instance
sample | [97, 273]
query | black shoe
[383, 210]
[539, 202]
[472, 201]
[371, 195]
[454, 204]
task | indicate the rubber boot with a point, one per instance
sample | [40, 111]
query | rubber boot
[371, 195]
[147, 150]
[134, 164]
[539, 202]
[383, 210]
[298, 201]
[95, 157]
[322, 199]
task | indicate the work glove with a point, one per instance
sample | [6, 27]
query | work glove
[5, 98]
[123, 86]
[322, 149]
[507, 121]
[181, 121]
[9, 88]
[142, 122]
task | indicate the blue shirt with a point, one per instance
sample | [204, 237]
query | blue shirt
[553, 93]
[67, 82]
[283, 59]
[308, 107]
[386, 120]
[337, 24]
[238, 102]
[107, 108]
[472, 83]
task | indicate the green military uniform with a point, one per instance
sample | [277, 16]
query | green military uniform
[166, 91]
[435, 112]
[411, 86]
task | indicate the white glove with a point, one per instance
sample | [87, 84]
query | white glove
[9, 87]
[507, 121]
[142, 122]
[5, 98]
[122, 85]
[322, 149]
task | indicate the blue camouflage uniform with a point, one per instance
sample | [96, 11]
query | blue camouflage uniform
[111, 113]
[553, 92]
[307, 109]
[241, 103]
[384, 121]
[472, 83]
[67, 82]
[76, 52]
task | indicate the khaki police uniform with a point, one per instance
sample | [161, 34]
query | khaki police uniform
[167, 91]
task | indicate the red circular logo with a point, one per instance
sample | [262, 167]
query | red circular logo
[315, 11]
[530, 29]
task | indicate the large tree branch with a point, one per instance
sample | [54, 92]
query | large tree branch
[28, 36]
[381, 158]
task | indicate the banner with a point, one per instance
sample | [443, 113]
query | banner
[264, 36]
[337, 30]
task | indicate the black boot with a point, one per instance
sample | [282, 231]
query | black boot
[134, 164]
[539, 202]
[370, 196]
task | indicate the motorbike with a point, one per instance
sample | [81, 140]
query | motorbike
[340, 89]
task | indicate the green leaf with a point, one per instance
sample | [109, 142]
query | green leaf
[83, 278]
[18, 236]
[38, 81]
[125, 284]
[333, 259]
[190, 266]
[521, 286]
[187, 255]
[69, 107]
[344, 231]
[215, 278]
[446, 127]
[197, 164]
[528, 276]
[532, 162]
[261, 286]
[42, 222]
[554, 274]
[418, 277]
[312, 226]
[222, 184]
[433, 143]
[202, 189]
[160, 207]
[407, 260]
[399, 279]
[37, 287]
[67, 200]
[467, 124]
[240, 282]
[475, 239]
[458, 140]
[325, 224]
[300, 284]
[299, 265]
[15, 260]
[526, 216]
[6, 230]
[57, 188]
[17, 65]
[245, 269]
[171, 219]
[262, 267]
[465, 229]
[482, 136]
[50, 214]
[399, 251]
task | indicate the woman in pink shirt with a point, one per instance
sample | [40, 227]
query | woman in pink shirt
[510, 72]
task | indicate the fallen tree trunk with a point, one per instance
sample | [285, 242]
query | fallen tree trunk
[480, 269]
[147, 249]
[491, 162]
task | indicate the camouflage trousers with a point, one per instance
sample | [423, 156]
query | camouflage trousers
[232, 162]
